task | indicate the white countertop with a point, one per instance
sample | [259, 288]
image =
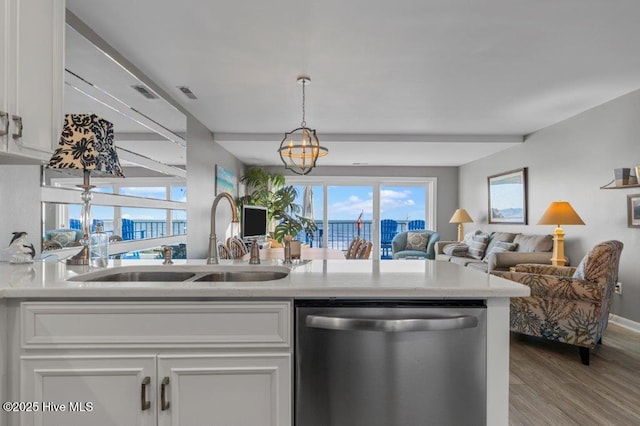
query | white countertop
[308, 279]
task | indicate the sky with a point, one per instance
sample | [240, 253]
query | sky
[347, 202]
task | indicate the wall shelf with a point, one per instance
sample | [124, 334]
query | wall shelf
[635, 185]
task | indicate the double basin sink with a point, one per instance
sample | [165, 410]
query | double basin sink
[185, 273]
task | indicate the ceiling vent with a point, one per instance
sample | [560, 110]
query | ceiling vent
[145, 92]
[187, 92]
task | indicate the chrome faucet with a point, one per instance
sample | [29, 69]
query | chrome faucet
[166, 254]
[255, 253]
[213, 241]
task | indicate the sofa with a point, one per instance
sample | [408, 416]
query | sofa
[496, 251]
[414, 244]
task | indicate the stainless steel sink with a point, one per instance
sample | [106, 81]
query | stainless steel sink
[176, 276]
[185, 273]
[243, 276]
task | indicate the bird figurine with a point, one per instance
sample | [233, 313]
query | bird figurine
[16, 235]
[19, 251]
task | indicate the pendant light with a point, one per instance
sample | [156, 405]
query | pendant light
[300, 148]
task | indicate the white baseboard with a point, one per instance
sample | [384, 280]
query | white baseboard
[624, 322]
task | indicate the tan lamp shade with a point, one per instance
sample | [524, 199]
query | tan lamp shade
[560, 213]
[461, 216]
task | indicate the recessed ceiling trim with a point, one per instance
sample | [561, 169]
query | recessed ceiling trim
[362, 137]
[106, 99]
[148, 163]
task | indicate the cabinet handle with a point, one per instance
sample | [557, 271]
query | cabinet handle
[144, 403]
[164, 404]
[18, 121]
[4, 115]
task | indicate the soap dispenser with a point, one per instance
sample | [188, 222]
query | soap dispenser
[99, 247]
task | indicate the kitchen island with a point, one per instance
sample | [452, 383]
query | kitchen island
[53, 320]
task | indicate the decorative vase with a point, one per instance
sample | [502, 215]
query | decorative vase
[622, 176]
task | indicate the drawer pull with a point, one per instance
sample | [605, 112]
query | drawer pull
[18, 121]
[4, 115]
[164, 404]
[144, 403]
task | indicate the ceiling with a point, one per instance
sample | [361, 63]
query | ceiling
[408, 82]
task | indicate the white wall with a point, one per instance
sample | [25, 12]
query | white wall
[570, 161]
[202, 156]
[20, 195]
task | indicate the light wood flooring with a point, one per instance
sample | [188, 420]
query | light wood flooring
[550, 386]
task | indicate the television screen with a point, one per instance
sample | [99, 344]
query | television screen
[254, 222]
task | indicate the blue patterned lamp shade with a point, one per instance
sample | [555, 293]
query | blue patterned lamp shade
[86, 144]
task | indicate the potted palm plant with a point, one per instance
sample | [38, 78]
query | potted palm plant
[268, 189]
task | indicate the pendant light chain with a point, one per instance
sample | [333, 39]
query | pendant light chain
[304, 123]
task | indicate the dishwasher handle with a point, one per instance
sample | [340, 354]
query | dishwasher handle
[392, 325]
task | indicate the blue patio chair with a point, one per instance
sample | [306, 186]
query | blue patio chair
[415, 224]
[128, 230]
[388, 230]
[75, 224]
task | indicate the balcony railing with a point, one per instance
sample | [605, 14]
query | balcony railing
[132, 229]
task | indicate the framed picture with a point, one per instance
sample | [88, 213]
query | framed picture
[226, 181]
[633, 210]
[508, 197]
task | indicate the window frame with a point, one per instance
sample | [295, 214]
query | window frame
[430, 184]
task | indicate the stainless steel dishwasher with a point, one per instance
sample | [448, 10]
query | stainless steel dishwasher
[390, 363]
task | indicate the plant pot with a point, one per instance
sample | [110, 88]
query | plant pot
[296, 248]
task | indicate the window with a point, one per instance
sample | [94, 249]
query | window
[153, 208]
[374, 209]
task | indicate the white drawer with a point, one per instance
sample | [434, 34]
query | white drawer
[155, 324]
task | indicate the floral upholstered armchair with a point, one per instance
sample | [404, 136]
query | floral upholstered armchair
[569, 305]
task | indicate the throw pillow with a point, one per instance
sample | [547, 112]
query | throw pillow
[501, 247]
[417, 241]
[64, 238]
[468, 238]
[458, 249]
[478, 245]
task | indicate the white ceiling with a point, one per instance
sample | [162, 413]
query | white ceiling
[444, 81]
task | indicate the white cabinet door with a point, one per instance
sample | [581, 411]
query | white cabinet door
[225, 389]
[35, 49]
[114, 385]
[4, 101]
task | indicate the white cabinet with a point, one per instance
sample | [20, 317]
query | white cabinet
[31, 93]
[164, 363]
[216, 389]
[82, 390]
[225, 389]
[4, 79]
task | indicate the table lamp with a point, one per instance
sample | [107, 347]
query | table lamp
[460, 216]
[559, 213]
[86, 144]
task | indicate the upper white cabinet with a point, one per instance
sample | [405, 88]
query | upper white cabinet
[31, 83]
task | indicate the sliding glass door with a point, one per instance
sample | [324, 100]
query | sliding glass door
[374, 209]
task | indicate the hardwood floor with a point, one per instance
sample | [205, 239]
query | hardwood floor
[550, 386]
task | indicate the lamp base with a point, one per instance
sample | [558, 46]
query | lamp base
[460, 232]
[82, 258]
[558, 259]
